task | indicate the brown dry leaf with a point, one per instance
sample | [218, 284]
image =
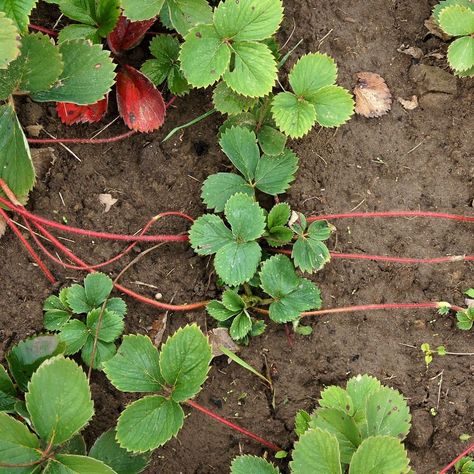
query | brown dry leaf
[43, 159]
[433, 27]
[34, 130]
[220, 337]
[412, 51]
[409, 104]
[107, 200]
[373, 97]
[158, 328]
[3, 226]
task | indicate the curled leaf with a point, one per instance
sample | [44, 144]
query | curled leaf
[107, 200]
[373, 97]
[409, 104]
[71, 114]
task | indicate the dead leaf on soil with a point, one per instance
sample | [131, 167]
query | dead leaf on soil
[433, 27]
[158, 328]
[107, 200]
[409, 104]
[220, 337]
[3, 226]
[373, 97]
[34, 130]
[43, 159]
[412, 51]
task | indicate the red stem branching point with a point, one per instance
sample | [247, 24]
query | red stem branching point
[454, 461]
[43, 30]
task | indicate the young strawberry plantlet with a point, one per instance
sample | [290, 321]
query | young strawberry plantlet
[465, 466]
[456, 19]
[466, 317]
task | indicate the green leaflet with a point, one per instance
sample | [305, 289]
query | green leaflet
[446, 3]
[136, 10]
[56, 312]
[337, 397]
[275, 173]
[271, 140]
[111, 326]
[302, 420]
[226, 101]
[82, 299]
[279, 215]
[18, 11]
[74, 335]
[79, 31]
[104, 351]
[465, 319]
[333, 105]
[252, 464]
[209, 234]
[457, 20]
[184, 14]
[295, 117]
[9, 43]
[72, 463]
[359, 389]
[241, 326]
[461, 55]
[219, 187]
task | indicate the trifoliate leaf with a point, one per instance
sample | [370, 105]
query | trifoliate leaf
[79, 31]
[457, 20]
[204, 56]
[73, 463]
[219, 187]
[97, 288]
[279, 215]
[311, 73]
[219, 312]
[248, 20]
[310, 254]
[87, 76]
[24, 358]
[275, 173]
[342, 426]
[184, 362]
[302, 420]
[74, 334]
[111, 326]
[254, 69]
[360, 388]
[240, 146]
[141, 10]
[107, 450]
[149, 423]
[461, 53]
[208, 234]
[184, 14]
[336, 397]
[293, 116]
[16, 167]
[334, 106]
[252, 464]
[278, 236]
[245, 216]
[226, 101]
[232, 301]
[465, 319]
[380, 454]
[446, 3]
[135, 366]
[387, 414]
[9, 41]
[271, 141]
[19, 11]
[104, 351]
[56, 313]
[59, 400]
[316, 451]
[241, 326]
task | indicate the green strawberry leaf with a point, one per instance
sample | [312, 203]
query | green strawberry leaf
[469, 293]
[258, 327]
[56, 313]
[465, 319]
[226, 101]
[9, 41]
[302, 420]
[467, 73]
[24, 358]
[73, 463]
[248, 20]
[219, 187]
[149, 423]
[208, 234]
[204, 56]
[252, 464]
[275, 173]
[136, 10]
[360, 388]
[75, 445]
[117, 305]
[104, 351]
[219, 312]
[380, 454]
[79, 32]
[254, 69]
[271, 141]
[245, 119]
[19, 11]
[337, 397]
[111, 326]
[457, 20]
[74, 335]
[309, 252]
[241, 326]
[232, 301]
[59, 400]
[7, 403]
[6, 384]
[316, 451]
[278, 236]
[184, 362]
[279, 215]
[16, 166]
[240, 146]
[334, 106]
[300, 224]
[245, 216]
[293, 116]
[97, 288]
[184, 14]
[135, 367]
[76, 299]
[107, 450]
[87, 77]
[446, 3]
[461, 54]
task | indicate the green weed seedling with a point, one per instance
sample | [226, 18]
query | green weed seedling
[456, 19]
[355, 430]
[103, 319]
[429, 353]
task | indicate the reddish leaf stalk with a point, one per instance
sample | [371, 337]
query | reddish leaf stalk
[235, 427]
[43, 30]
[91, 141]
[454, 461]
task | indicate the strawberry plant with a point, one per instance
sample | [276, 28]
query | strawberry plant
[456, 19]
[103, 319]
[465, 465]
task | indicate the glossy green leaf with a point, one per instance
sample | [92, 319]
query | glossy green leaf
[75, 464]
[9, 41]
[245, 216]
[111, 326]
[219, 187]
[136, 10]
[56, 313]
[19, 11]
[74, 335]
[77, 301]
[135, 367]
[149, 423]
[209, 234]
[275, 173]
[252, 464]
[104, 351]
[461, 54]
[219, 312]
[295, 117]
[7, 402]
[279, 215]
[226, 101]
[184, 14]
[184, 362]
[334, 106]
[241, 326]
[271, 140]
[457, 20]
[16, 167]
[59, 400]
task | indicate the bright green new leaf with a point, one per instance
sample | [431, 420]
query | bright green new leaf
[336, 397]
[184, 14]
[360, 388]
[461, 54]
[184, 362]
[111, 325]
[16, 167]
[135, 367]
[219, 312]
[209, 234]
[254, 69]
[241, 326]
[19, 11]
[87, 76]
[75, 464]
[226, 101]
[204, 56]
[252, 464]
[465, 319]
[387, 414]
[271, 140]
[24, 358]
[245, 216]
[136, 10]
[59, 400]
[248, 20]
[104, 351]
[279, 215]
[107, 450]
[149, 423]
[469, 293]
[457, 20]
[74, 334]
[9, 41]
[232, 301]
[446, 3]
[56, 313]
[275, 173]
[316, 451]
[302, 420]
[380, 455]
[219, 187]
[79, 31]
[334, 106]
[293, 116]
[97, 288]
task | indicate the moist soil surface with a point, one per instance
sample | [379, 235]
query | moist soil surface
[417, 159]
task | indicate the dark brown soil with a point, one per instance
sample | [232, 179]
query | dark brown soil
[420, 159]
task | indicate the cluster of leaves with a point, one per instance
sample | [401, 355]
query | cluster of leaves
[177, 372]
[356, 430]
[428, 352]
[466, 318]
[456, 19]
[93, 301]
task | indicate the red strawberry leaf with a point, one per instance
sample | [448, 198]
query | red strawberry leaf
[73, 113]
[127, 34]
[140, 103]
